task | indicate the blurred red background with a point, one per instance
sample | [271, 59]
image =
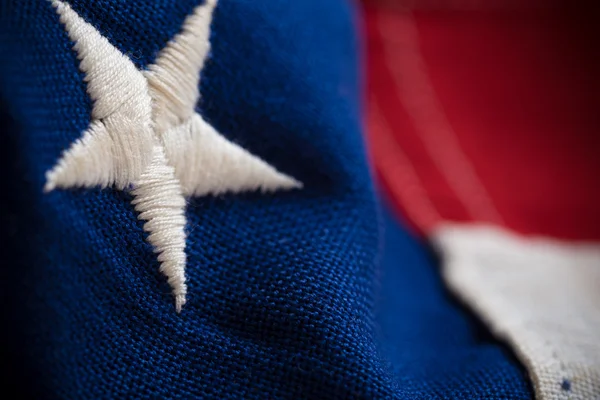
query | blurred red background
[486, 111]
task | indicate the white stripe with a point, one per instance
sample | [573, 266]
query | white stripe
[542, 296]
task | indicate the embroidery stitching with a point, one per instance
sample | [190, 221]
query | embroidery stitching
[146, 136]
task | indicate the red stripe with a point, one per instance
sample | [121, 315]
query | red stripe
[398, 174]
[415, 91]
[382, 87]
[520, 91]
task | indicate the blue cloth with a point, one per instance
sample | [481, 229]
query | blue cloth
[286, 297]
[435, 348]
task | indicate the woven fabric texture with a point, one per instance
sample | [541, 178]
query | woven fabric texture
[288, 296]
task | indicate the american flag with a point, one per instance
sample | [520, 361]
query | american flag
[314, 199]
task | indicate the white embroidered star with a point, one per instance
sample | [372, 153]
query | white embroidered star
[145, 136]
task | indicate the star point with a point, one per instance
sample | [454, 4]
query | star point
[146, 135]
